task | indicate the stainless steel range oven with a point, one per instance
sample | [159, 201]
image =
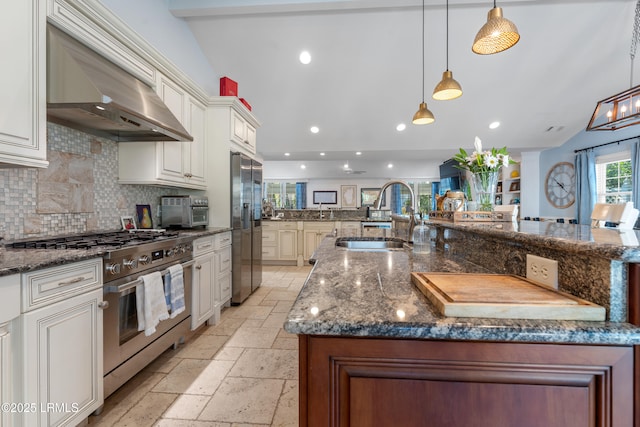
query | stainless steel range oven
[126, 350]
[129, 256]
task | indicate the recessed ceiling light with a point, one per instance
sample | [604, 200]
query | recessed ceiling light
[287, 154]
[303, 166]
[322, 154]
[401, 127]
[314, 129]
[390, 165]
[358, 153]
[494, 125]
[305, 57]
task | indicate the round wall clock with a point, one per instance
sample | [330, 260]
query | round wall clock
[560, 185]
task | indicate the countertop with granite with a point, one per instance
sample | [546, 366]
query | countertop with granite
[609, 243]
[370, 294]
[14, 261]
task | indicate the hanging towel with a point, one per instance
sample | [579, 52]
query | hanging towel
[174, 290]
[150, 303]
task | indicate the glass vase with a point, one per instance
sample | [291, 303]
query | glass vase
[484, 186]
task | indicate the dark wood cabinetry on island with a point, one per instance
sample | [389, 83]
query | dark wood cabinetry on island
[398, 382]
[374, 352]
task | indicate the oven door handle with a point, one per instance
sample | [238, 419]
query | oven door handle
[129, 285]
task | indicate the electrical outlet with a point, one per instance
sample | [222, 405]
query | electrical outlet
[542, 270]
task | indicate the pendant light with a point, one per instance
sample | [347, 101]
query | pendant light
[623, 109]
[448, 88]
[423, 116]
[496, 35]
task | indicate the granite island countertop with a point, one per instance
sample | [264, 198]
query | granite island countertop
[14, 261]
[370, 294]
[609, 243]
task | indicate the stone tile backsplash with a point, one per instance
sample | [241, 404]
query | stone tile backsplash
[78, 192]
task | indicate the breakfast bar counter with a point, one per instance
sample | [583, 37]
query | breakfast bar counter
[374, 349]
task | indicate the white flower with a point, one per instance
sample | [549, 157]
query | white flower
[505, 160]
[478, 144]
[491, 161]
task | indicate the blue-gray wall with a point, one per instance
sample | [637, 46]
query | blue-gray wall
[565, 153]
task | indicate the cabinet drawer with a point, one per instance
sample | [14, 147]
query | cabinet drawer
[222, 240]
[44, 287]
[269, 237]
[319, 226]
[289, 226]
[269, 252]
[203, 245]
[225, 287]
[224, 257]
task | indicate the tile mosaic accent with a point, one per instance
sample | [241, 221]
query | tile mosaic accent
[79, 192]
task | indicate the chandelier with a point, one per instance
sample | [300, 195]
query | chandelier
[623, 109]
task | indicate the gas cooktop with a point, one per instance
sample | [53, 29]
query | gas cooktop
[115, 239]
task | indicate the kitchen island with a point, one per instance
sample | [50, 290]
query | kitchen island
[373, 351]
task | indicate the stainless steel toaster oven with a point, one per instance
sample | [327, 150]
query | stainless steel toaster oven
[184, 211]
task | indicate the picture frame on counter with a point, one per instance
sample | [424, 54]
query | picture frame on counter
[368, 197]
[325, 197]
[128, 223]
[348, 196]
[143, 214]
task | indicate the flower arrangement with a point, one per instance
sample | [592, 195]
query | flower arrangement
[483, 161]
[484, 167]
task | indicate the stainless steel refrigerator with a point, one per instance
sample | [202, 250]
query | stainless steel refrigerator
[246, 216]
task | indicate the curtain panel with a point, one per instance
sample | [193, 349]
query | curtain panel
[586, 191]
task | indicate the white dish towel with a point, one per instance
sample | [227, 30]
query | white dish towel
[150, 303]
[174, 290]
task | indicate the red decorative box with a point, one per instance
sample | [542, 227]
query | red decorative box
[228, 87]
[246, 104]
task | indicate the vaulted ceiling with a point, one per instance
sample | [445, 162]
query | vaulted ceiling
[365, 76]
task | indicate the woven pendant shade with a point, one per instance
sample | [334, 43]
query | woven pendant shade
[448, 88]
[496, 35]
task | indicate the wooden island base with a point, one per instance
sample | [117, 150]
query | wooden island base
[400, 382]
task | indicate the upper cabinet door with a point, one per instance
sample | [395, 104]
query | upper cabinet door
[23, 84]
[171, 159]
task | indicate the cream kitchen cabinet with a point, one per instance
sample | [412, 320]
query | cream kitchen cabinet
[23, 136]
[280, 242]
[169, 163]
[243, 133]
[236, 124]
[350, 228]
[203, 284]
[314, 232]
[222, 271]
[269, 241]
[288, 244]
[58, 344]
[9, 310]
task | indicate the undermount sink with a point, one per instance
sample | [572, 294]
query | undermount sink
[370, 243]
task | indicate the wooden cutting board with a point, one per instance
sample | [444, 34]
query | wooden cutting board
[502, 296]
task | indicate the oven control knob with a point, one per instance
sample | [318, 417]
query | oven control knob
[113, 268]
[130, 263]
[143, 259]
[169, 252]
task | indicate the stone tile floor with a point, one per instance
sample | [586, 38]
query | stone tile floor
[241, 372]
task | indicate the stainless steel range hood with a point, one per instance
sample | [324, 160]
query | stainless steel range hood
[87, 92]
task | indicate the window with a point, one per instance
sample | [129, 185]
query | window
[401, 198]
[613, 175]
[423, 195]
[281, 194]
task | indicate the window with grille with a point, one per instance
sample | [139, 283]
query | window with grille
[613, 175]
